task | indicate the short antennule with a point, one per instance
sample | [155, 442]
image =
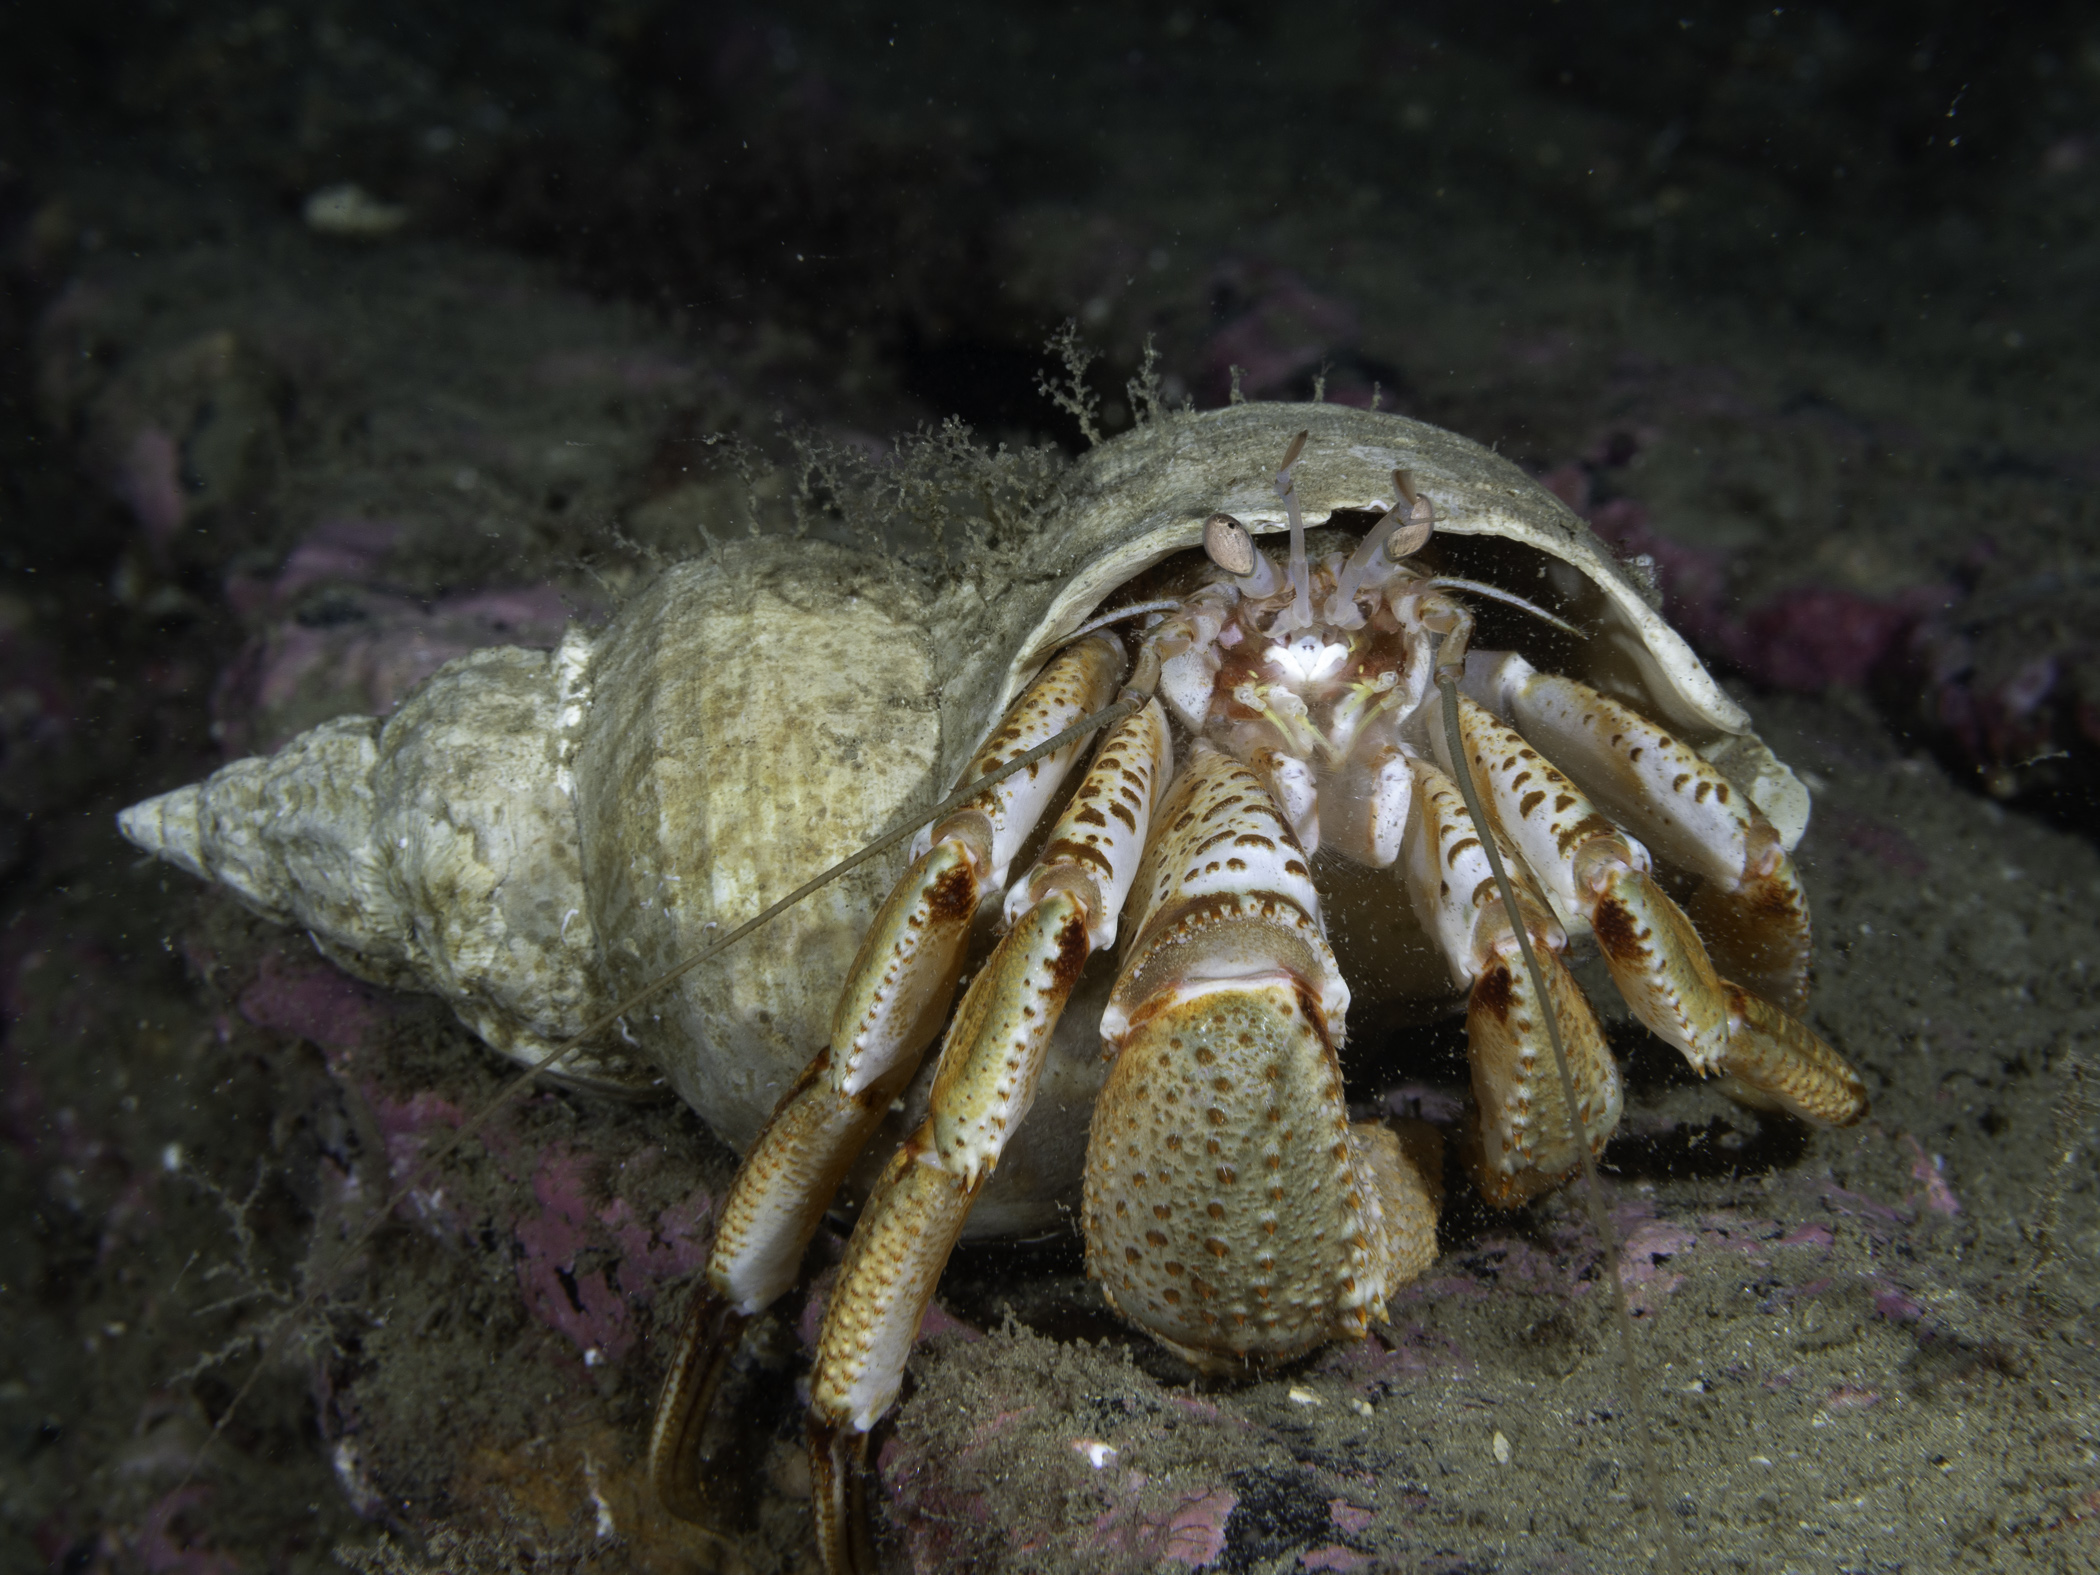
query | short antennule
[1299, 615]
[1417, 514]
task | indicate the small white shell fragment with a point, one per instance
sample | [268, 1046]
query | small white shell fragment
[607, 1527]
[1304, 1397]
[1097, 1453]
[1363, 1408]
[349, 210]
[1500, 1445]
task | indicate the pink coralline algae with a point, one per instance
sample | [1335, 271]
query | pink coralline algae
[1896, 1305]
[1389, 1356]
[147, 482]
[1335, 1556]
[584, 1263]
[335, 640]
[160, 1546]
[1804, 639]
[1195, 1535]
[1929, 1169]
[304, 997]
[1352, 1519]
[1190, 1533]
[1650, 1245]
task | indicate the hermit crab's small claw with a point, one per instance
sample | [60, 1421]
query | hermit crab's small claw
[705, 1346]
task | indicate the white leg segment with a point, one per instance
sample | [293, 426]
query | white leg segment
[1752, 911]
[1366, 808]
[1296, 789]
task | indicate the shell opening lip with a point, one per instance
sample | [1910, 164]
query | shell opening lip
[1477, 496]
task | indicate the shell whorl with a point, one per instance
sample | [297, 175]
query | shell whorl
[436, 850]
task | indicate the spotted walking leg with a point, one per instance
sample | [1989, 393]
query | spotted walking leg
[895, 999]
[1061, 911]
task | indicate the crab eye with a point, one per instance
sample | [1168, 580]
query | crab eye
[1227, 544]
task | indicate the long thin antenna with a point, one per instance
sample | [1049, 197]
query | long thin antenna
[1494, 593]
[324, 1281]
[1592, 1183]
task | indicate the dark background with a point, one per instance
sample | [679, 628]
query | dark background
[855, 173]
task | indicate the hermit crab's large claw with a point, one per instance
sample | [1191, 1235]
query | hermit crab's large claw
[1232, 1208]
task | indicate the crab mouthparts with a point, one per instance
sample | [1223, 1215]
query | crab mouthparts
[1308, 659]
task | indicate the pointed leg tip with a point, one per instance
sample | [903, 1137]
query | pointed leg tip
[713, 1328]
[838, 1496]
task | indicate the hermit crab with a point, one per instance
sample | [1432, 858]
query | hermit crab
[1380, 730]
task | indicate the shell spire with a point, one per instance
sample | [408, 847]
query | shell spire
[436, 850]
